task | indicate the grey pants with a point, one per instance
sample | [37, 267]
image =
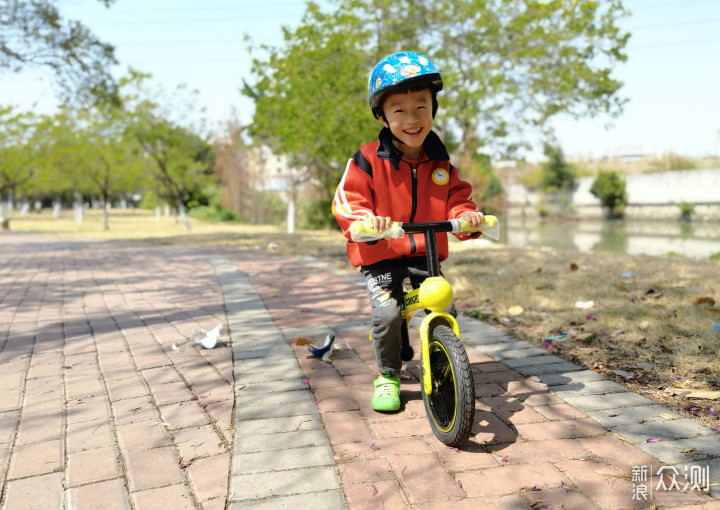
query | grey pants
[386, 286]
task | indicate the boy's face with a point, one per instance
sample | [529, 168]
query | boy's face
[409, 117]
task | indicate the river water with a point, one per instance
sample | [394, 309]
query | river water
[690, 239]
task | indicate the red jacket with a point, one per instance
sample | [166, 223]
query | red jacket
[377, 180]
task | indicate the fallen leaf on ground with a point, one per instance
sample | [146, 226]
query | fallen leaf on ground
[297, 427]
[301, 340]
[703, 300]
[691, 393]
[515, 310]
[187, 463]
[677, 392]
[704, 394]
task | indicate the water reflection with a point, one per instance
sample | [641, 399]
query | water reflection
[617, 236]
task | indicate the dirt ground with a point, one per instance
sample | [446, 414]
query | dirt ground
[650, 323]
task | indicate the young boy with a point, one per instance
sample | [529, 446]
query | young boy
[404, 176]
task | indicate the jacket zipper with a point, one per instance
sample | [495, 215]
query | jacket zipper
[413, 248]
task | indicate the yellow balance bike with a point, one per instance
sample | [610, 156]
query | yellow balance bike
[447, 381]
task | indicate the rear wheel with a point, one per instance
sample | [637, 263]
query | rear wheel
[451, 404]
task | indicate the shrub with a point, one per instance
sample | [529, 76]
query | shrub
[213, 213]
[609, 187]
[686, 210]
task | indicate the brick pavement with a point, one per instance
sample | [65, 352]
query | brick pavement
[547, 434]
[98, 410]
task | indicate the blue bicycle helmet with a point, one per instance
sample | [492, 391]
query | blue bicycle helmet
[400, 71]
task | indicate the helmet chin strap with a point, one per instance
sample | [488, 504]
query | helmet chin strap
[387, 125]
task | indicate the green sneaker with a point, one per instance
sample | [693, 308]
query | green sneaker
[387, 394]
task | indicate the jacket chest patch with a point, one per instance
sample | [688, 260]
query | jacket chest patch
[440, 176]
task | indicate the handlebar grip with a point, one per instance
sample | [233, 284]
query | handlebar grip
[490, 226]
[363, 232]
[461, 225]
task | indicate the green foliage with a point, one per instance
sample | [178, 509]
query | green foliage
[105, 151]
[556, 173]
[35, 34]
[314, 214]
[213, 213]
[714, 256]
[686, 210]
[508, 68]
[178, 152]
[210, 210]
[150, 200]
[16, 161]
[310, 94]
[609, 187]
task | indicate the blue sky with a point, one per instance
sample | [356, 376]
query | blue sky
[672, 77]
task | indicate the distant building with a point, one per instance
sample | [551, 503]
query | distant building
[270, 168]
[627, 153]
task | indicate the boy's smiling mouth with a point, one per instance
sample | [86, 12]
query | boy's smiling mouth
[413, 132]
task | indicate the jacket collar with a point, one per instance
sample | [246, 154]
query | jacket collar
[434, 148]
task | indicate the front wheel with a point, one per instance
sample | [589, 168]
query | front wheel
[451, 404]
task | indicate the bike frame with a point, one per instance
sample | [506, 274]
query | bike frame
[434, 294]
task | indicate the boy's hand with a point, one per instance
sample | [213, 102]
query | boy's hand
[474, 218]
[379, 223]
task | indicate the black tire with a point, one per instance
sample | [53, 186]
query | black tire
[451, 404]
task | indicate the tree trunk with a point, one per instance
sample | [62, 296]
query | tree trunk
[106, 216]
[183, 215]
[291, 213]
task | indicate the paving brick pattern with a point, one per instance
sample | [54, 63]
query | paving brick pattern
[99, 411]
[543, 434]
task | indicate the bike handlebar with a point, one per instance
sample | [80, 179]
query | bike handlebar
[363, 231]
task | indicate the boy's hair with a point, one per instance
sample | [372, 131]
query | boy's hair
[417, 87]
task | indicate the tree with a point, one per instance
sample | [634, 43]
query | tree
[309, 94]
[508, 68]
[170, 134]
[556, 173]
[108, 158]
[231, 165]
[609, 187]
[16, 163]
[34, 34]
[181, 159]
